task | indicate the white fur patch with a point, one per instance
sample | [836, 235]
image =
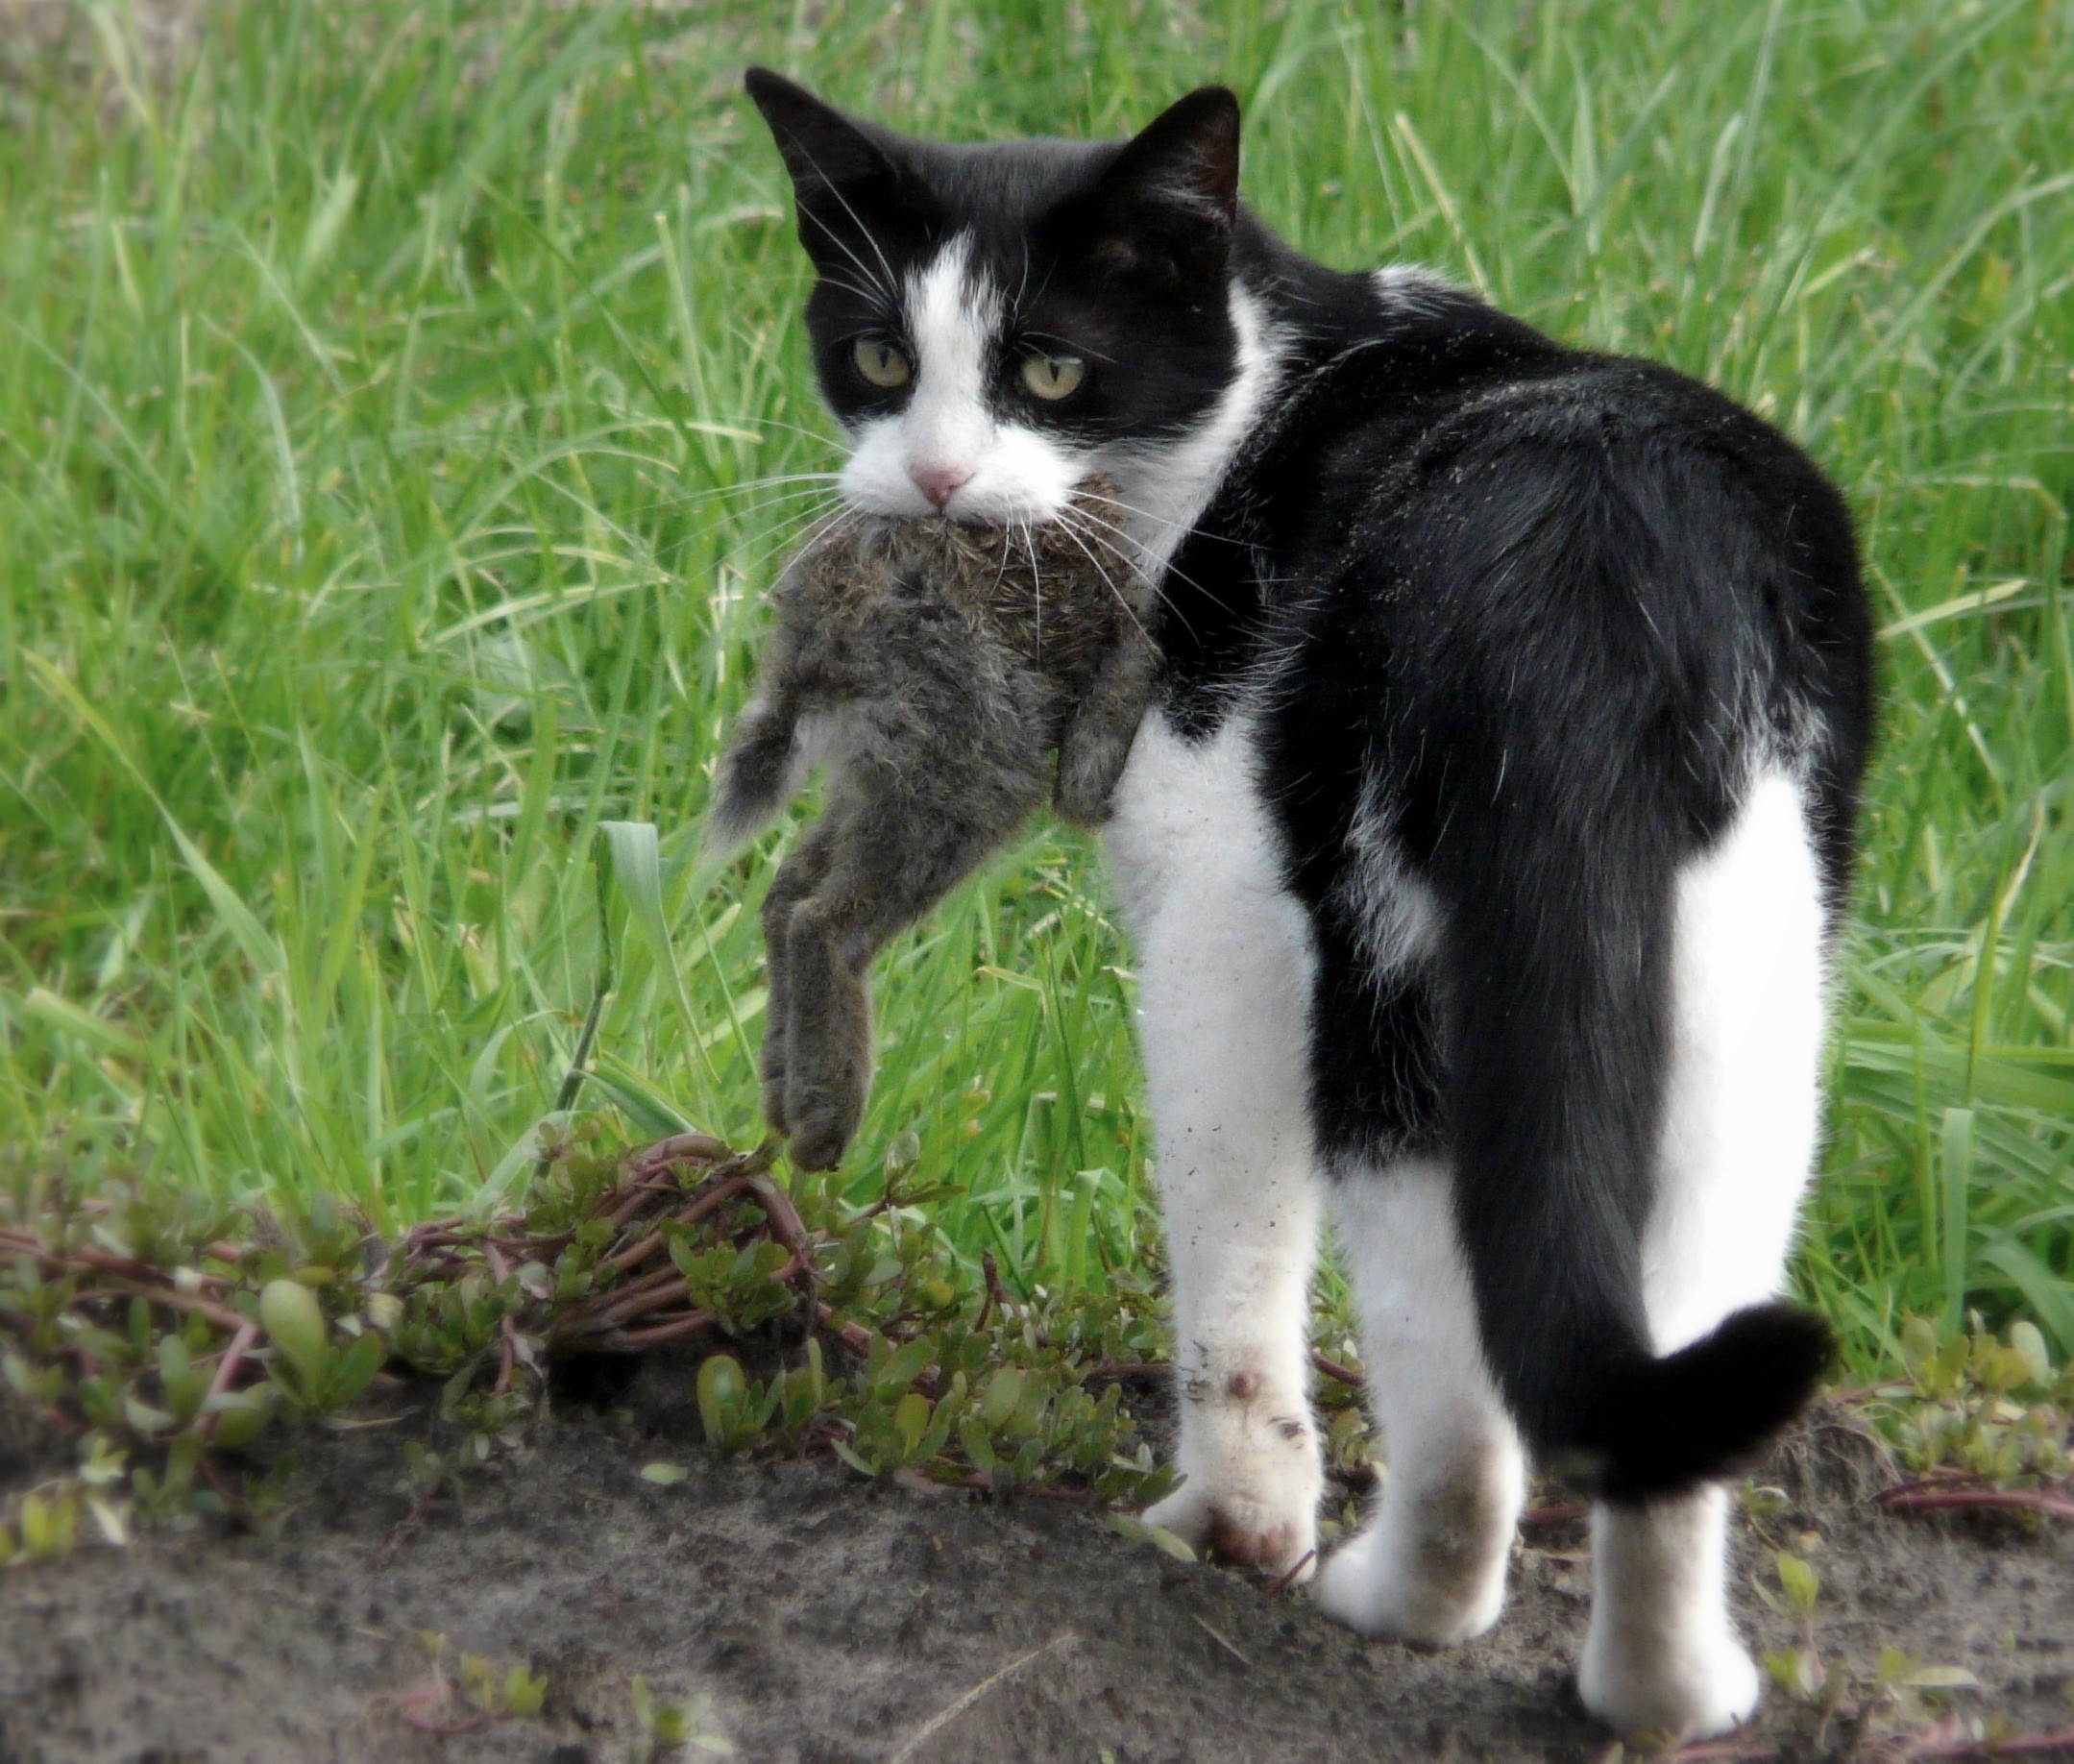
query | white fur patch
[1399, 915]
[1412, 287]
[1224, 984]
[1019, 473]
[1012, 472]
[1742, 1104]
[1165, 487]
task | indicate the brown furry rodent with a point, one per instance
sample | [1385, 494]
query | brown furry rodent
[934, 667]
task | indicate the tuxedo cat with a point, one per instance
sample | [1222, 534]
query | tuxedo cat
[1483, 850]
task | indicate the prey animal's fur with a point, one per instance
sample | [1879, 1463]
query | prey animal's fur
[935, 669]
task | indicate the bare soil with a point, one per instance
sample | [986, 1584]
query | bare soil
[834, 1621]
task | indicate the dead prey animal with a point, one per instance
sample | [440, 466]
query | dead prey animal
[933, 668]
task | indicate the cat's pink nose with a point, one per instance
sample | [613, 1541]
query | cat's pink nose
[939, 483]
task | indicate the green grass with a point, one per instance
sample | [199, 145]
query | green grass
[401, 407]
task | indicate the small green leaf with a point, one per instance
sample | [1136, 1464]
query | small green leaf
[48, 1526]
[1799, 1672]
[524, 1691]
[1801, 1583]
[1140, 1531]
[1941, 1677]
[2028, 1343]
[849, 1456]
[353, 1370]
[910, 1421]
[294, 1322]
[1004, 1394]
[665, 1476]
[721, 1390]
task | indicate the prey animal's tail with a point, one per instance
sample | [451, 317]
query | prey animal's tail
[759, 773]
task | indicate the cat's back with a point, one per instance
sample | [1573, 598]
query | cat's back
[1469, 508]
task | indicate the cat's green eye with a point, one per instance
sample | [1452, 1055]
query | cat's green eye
[1052, 377]
[880, 362]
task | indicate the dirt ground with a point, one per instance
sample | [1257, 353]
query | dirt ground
[831, 1619]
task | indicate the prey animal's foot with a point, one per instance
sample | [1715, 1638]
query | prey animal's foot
[820, 1126]
[1252, 1476]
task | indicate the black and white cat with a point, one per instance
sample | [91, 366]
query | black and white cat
[1485, 850]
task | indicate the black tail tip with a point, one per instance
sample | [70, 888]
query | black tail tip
[1709, 1410]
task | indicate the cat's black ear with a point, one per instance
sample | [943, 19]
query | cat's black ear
[1167, 204]
[846, 182]
[1187, 158]
[822, 148]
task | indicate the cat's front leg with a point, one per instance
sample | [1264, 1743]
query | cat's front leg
[1224, 970]
[1247, 1449]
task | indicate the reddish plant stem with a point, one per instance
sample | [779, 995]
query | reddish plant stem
[1956, 1500]
[1331, 1368]
[1282, 1582]
[230, 1496]
[1555, 1512]
[128, 1267]
[1949, 1739]
[645, 1246]
[507, 1346]
[222, 1315]
[405, 1526]
[996, 1293]
[786, 1226]
[679, 1148]
[227, 1370]
[637, 1199]
[853, 1335]
[635, 1341]
[1121, 1371]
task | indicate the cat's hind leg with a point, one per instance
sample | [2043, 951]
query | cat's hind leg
[1224, 977]
[1430, 1564]
[1740, 1117]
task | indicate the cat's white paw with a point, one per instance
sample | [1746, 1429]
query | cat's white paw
[1252, 1481]
[1694, 1687]
[1435, 1589]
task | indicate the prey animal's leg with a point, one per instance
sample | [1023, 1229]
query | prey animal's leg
[829, 946]
[888, 865]
[1095, 744]
[798, 877]
[1430, 1564]
[1742, 1111]
[1224, 967]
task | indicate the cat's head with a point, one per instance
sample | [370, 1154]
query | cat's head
[992, 324]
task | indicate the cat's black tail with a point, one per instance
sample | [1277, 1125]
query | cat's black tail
[1563, 1023]
[1662, 1425]
[1587, 755]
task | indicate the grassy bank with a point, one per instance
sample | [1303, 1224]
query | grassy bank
[402, 409]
